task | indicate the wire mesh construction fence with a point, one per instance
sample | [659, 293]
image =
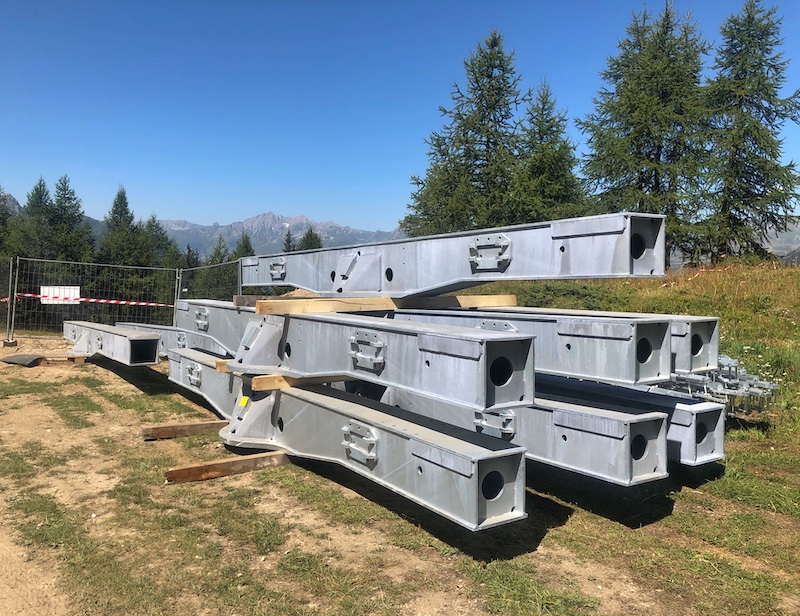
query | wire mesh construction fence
[220, 281]
[38, 295]
[46, 293]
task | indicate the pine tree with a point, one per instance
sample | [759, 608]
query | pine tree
[5, 216]
[244, 247]
[191, 258]
[311, 240]
[29, 232]
[647, 134]
[472, 160]
[72, 233]
[219, 253]
[123, 242]
[162, 250]
[546, 186]
[754, 192]
[288, 242]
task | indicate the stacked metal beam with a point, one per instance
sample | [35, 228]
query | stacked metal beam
[443, 406]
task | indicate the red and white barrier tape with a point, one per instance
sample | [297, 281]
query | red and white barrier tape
[92, 300]
[3, 299]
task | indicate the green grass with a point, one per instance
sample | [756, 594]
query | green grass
[512, 587]
[74, 409]
[728, 545]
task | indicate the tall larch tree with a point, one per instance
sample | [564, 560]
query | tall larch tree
[754, 192]
[311, 240]
[546, 186]
[472, 159]
[162, 250]
[244, 247]
[29, 233]
[72, 232]
[219, 253]
[123, 241]
[5, 216]
[648, 133]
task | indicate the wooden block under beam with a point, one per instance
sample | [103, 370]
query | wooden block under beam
[160, 431]
[305, 305]
[268, 382]
[222, 365]
[458, 301]
[225, 466]
[365, 304]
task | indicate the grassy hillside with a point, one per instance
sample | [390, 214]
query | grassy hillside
[85, 503]
[758, 307]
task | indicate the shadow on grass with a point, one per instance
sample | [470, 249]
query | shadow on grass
[737, 422]
[499, 543]
[150, 382]
[633, 506]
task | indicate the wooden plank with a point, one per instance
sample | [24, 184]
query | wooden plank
[225, 466]
[268, 382]
[52, 359]
[458, 301]
[159, 431]
[301, 305]
[306, 305]
[222, 365]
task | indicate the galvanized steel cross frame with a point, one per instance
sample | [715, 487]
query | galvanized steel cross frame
[444, 406]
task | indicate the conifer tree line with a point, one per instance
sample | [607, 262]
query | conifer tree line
[52, 226]
[667, 135]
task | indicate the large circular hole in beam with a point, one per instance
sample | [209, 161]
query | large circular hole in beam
[637, 246]
[701, 432]
[492, 485]
[501, 371]
[697, 344]
[644, 350]
[638, 447]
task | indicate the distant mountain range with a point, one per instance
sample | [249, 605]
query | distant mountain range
[267, 231]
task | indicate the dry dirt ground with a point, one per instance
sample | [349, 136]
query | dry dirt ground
[31, 577]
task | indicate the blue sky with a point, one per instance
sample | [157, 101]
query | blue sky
[216, 111]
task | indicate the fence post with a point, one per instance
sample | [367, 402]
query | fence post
[178, 283]
[13, 298]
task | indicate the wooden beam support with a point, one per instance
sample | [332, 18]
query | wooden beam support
[268, 382]
[159, 431]
[222, 365]
[301, 305]
[459, 301]
[226, 466]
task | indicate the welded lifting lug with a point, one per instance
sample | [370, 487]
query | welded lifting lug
[360, 444]
[277, 269]
[490, 253]
[194, 374]
[201, 319]
[366, 349]
[499, 424]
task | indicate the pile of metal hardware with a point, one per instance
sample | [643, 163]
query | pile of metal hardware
[442, 398]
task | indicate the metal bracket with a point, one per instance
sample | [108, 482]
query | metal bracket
[277, 269]
[490, 253]
[201, 319]
[366, 349]
[194, 374]
[360, 444]
[499, 424]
